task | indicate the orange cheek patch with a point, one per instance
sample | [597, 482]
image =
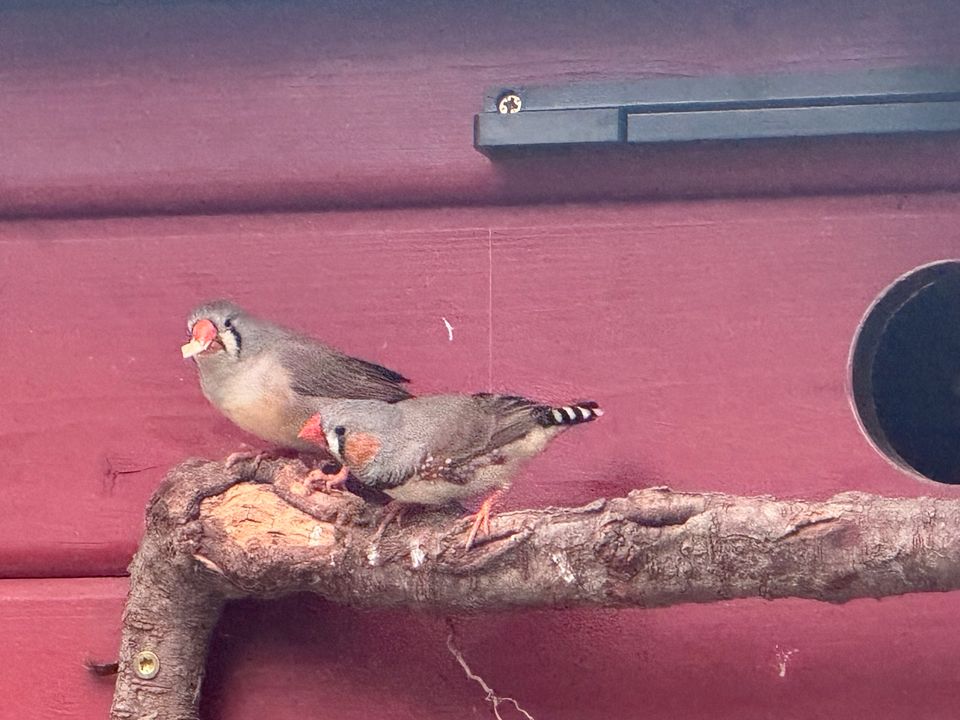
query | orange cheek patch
[360, 449]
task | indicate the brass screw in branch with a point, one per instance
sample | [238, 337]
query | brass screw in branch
[146, 664]
[509, 103]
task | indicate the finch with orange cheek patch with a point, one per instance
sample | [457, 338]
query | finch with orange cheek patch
[439, 449]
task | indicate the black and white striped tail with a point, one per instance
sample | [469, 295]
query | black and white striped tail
[573, 414]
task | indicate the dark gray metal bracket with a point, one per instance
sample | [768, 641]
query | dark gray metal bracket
[875, 102]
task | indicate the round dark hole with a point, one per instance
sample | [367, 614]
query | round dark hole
[905, 372]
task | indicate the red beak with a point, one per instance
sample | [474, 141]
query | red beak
[204, 332]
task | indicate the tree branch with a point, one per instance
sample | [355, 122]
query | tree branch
[212, 536]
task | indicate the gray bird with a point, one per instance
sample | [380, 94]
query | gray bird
[269, 380]
[438, 449]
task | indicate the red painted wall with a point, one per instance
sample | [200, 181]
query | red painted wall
[715, 332]
[192, 106]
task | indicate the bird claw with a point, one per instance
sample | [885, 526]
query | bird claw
[237, 458]
[329, 475]
[481, 519]
[393, 511]
[252, 456]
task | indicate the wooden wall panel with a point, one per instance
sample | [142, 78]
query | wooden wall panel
[791, 659]
[126, 108]
[298, 657]
[715, 333]
[49, 629]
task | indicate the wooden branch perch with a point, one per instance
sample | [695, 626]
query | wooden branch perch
[212, 536]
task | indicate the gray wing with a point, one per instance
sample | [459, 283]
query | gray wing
[511, 417]
[441, 436]
[321, 371]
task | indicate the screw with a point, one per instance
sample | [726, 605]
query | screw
[509, 103]
[146, 664]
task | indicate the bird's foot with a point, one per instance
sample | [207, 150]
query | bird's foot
[252, 456]
[392, 511]
[252, 460]
[481, 519]
[331, 475]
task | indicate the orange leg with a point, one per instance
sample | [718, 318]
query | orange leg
[255, 457]
[481, 519]
[332, 479]
[393, 510]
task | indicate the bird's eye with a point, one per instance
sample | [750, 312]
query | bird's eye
[340, 430]
[228, 323]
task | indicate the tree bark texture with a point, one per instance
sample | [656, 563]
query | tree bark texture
[213, 535]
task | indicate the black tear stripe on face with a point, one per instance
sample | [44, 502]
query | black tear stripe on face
[228, 326]
[340, 431]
